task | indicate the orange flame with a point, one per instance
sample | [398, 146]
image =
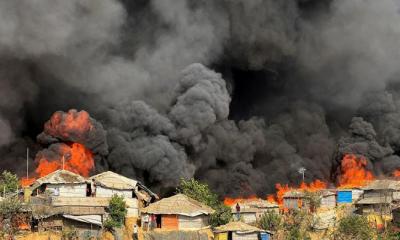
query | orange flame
[353, 172]
[232, 201]
[77, 159]
[396, 173]
[66, 124]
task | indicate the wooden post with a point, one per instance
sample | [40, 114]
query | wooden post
[27, 163]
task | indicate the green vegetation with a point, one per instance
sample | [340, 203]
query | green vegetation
[9, 207]
[297, 225]
[354, 227]
[8, 182]
[117, 210]
[270, 221]
[313, 199]
[202, 193]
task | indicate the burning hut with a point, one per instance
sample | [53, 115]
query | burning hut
[240, 231]
[179, 212]
[61, 183]
[293, 200]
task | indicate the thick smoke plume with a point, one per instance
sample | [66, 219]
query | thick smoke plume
[248, 90]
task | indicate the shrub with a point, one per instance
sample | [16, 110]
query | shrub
[117, 210]
[354, 227]
[202, 193]
[8, 182]
[270, 221]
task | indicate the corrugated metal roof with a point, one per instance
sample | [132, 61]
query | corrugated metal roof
[179, 204]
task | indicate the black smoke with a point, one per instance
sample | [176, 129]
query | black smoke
[236, 93]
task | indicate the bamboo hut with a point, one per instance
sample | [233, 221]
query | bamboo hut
[59, 183]
[179, 212]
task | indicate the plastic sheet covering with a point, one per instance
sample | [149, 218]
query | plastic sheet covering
[91, 219]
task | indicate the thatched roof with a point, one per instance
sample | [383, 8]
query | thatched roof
[179, 204]
[238, 227]
[383, 185]
[113, 180]
[259, 203]
[59, 177]
[44, 211]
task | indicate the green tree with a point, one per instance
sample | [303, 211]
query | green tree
[202, 193]
[270, 221]
[354, 227]
[8, 182]
[117, 210]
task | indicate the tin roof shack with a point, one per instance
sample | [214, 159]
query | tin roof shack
[308, 200]
[179, 212]
[59, 183]
[293, 200]
[378, 197]
[240, 231]
[136, 194]
[85, 215]
[85, 225]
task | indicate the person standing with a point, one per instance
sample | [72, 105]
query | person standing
[145, 220]
[93, 188]
[135, 235]
[238, 211]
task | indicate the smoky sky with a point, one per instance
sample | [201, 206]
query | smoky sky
[248, 90]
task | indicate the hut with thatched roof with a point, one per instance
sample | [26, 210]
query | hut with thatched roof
[61, 183]
[179, 212]
[136, 194]
[240, 231]
[110, 183]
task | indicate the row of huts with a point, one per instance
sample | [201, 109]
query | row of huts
[64, 200]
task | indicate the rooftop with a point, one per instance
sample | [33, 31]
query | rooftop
[383, 185]
[238, 227]
[60, 177]
[179, 204]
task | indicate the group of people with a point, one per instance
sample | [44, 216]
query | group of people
[149, 222]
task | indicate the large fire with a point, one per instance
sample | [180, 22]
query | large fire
[67, 125]
[74, 157]
[232, 201]
[353, 172]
